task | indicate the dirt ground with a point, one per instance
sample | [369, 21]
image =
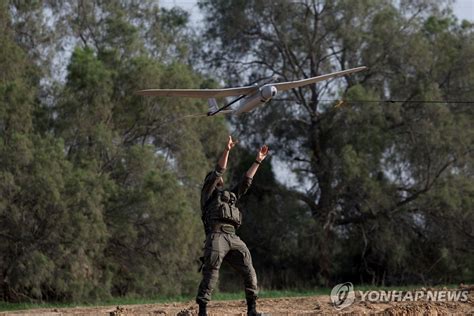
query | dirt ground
[312, 305]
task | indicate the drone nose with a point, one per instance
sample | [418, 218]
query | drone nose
[268, 92]
[274, 91]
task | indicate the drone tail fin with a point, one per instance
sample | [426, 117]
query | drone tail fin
[212, 103]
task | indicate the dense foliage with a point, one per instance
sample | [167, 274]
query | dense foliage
[99, 188]
[388, 185]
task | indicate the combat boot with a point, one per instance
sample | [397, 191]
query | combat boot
[252, 307]
[202, 309]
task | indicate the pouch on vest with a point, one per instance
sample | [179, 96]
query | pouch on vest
[231, 213]
[227, 209]
[222, 208]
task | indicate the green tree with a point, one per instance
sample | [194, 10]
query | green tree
[151, 159]
[51, 228]
[100, 191]
[364, 169]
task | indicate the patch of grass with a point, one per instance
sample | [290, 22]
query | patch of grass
[218, 296]
[6, 306]
[401, 288]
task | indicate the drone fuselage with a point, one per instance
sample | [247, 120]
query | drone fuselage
[260, 97]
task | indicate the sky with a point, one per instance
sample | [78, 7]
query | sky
[463, 9]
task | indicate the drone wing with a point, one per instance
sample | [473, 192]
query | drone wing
[198, 93]
[295, 84]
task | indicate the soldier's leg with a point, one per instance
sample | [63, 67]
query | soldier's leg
[240, 259]
[215, 250]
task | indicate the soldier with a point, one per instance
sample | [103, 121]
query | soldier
[221, 218]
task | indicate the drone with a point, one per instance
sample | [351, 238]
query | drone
[250, 97]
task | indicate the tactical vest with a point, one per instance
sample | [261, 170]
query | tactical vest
[222, 209]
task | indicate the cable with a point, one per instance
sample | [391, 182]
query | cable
[379, 101]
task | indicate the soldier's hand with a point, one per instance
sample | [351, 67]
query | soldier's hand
[262, 153]
[230, 143]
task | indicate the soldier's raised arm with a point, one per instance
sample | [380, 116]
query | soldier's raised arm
[245, 183]
[225, 155]
[214, 177]
[262, 153]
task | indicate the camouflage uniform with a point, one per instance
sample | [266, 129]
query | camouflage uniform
[221, 217]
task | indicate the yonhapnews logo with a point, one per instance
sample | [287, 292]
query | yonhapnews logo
[343, 295]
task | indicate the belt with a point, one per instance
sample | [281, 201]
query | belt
[223, 227]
